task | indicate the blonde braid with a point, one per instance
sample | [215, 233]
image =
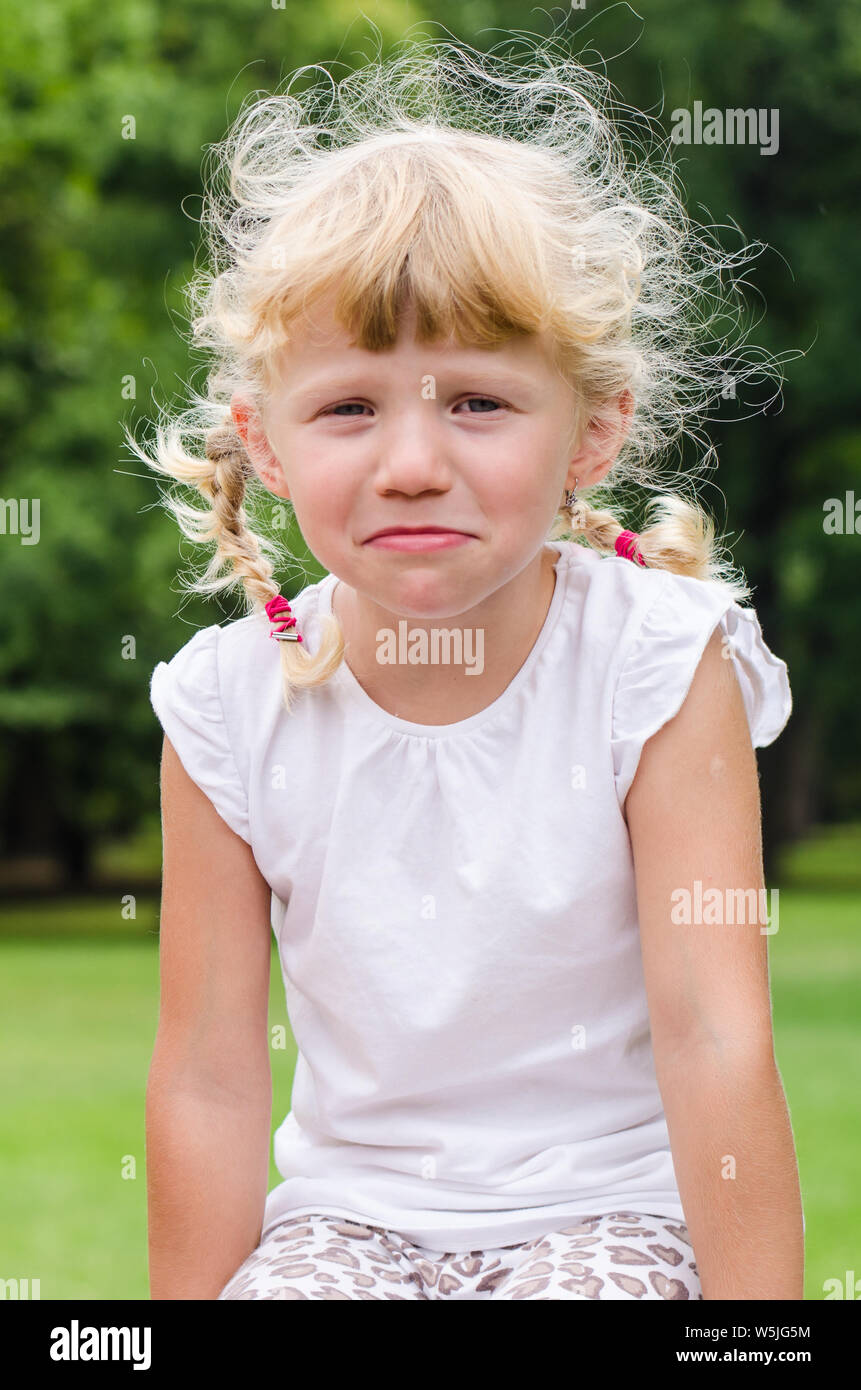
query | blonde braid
[681, 540]
[225, 485]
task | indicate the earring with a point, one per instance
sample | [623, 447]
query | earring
[571, 496]
[576, 509]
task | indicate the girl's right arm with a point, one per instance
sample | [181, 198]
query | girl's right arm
[209, 1091]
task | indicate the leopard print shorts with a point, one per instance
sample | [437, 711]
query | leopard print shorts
[620, 1255]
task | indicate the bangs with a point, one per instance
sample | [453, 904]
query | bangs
[408, 226]
[458, 276]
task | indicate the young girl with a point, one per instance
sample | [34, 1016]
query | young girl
[491, 780]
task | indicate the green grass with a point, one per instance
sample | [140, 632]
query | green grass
[79, 999]
[79, 1020]
[830, 860]
[816, 993]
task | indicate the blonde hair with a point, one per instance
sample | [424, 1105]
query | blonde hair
[496, 198]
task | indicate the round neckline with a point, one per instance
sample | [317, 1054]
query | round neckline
[344, 679]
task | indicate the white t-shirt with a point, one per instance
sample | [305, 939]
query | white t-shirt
[455, 906]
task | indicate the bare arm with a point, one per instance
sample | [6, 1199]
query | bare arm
[209, 1092]
[693, 812]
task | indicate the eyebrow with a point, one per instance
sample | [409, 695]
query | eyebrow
[494, 379]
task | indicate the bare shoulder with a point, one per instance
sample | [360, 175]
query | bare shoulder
[710, 735]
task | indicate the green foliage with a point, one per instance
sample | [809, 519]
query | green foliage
[97, 236]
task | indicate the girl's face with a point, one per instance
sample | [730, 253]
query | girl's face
[468, 439]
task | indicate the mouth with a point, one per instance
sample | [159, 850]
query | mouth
[411, 539]
[418, 531]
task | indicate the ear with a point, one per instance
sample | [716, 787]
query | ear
[249, 426]
[603, 438]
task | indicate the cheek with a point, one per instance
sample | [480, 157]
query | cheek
[516, 476]
[320, 491]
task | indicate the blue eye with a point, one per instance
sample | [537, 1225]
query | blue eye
[352, 408]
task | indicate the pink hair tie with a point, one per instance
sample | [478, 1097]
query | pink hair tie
[280, 631]
[626, 546]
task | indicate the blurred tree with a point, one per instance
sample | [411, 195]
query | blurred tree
[94, 250]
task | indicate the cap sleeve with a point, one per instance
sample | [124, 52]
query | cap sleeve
[184, 693]
[659, 669]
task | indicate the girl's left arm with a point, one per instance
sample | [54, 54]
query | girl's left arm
[693, 813]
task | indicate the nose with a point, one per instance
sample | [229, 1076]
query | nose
[412, 458]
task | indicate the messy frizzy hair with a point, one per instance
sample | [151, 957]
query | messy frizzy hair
[496, 197]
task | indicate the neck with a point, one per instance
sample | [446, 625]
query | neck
[462, 669]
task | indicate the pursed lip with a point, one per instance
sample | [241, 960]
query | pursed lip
[419, 531]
